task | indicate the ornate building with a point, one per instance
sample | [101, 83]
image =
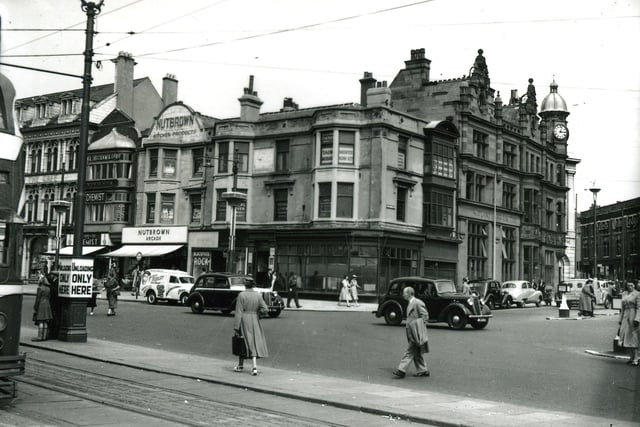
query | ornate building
[50, 125]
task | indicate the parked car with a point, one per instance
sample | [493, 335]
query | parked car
[520, 292]
[442, 300]
[571, 288]
[219, 291]
[158, 284]
[489, 290]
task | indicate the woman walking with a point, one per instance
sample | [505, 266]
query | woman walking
[112, 286]
[630, 322]
[247, 324]
[42, 309]
[353, 289]
[345, 293]
[587, 297]
[95, 291]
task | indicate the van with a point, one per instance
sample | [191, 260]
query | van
[159, 284]
[572, 288]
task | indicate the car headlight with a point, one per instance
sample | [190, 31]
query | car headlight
[470, 301]
[274, 293]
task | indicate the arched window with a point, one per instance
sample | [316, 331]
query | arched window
[45, 209]
[73, 156]
[34, 161]
[30, 209]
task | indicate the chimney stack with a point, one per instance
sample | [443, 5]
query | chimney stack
[123, 83]
[379, 95]
[366, 83]
[514, 100]
[288, 105]
[419, 64]
[250, 104]
[169, 89]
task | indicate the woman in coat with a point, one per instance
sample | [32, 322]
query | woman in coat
[42, 308]
[630, 322]
[587, 297]
[247, 324]
[112, 286]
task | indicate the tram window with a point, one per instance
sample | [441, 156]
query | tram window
[4, 177]
[4, 242]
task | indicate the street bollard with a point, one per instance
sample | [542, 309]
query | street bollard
[564, 311]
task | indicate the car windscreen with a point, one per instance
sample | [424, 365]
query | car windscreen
[478, 287]
[446, 287]
[186, 279]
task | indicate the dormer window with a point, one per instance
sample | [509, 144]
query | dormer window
[41, 110]
[66, 107]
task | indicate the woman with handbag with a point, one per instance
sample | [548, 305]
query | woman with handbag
[629, 333]
[249, 306]
[42, 314]
[112, 286]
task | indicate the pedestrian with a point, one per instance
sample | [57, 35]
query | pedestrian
[353, 289]
[137, 271]
[629, 335]
[587, 298]
[345, 293]
[95, 291]
[54, 302]
[42, 308]
[295, 283]
[112, 285]
[416, 330]
[466, 289]
[247, 324]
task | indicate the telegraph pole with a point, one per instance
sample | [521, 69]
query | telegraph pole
[92, 9]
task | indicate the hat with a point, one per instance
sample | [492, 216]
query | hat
[354, 276]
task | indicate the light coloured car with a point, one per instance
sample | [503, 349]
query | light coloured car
[520, 292]
[166, 285]
[571, 288]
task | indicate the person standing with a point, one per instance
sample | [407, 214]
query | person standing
[42, 308]
[417, 316]
[138, 271]
[630, 323]
[54, 302]
[95, 291]
[466, 289]
[345, 293]
[112, 286]
[587, 298]
[247, 324]
[294, 284]
[353, 289]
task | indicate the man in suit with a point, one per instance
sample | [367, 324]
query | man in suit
[416, 330]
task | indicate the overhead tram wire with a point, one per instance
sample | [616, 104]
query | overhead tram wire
[287, 30]
[70, 27]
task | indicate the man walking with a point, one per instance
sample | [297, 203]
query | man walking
[294, 284]
[416, 330]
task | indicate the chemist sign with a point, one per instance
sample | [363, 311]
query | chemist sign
[76, 278]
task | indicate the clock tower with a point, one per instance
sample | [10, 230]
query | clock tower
[554, 112]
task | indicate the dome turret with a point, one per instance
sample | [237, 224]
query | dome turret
[553, 101]
[113, 140]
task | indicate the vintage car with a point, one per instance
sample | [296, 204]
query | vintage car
[159, 284]
[443, 303]
[219, 291]
[488, 290]
[520, 292]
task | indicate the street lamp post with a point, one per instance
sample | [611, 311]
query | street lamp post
[623, 230]
[595, 191]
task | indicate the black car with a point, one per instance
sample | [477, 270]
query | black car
[442, 300]
[489, 291]
[219, 291]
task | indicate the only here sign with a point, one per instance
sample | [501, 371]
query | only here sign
[76, 278]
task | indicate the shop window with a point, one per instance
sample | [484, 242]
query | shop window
[280, 198]
[344, 206]
[169, 162]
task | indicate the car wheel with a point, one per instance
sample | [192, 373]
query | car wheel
[456, 319]
[507, 303]
[196, 306]
[275, 314]
[183, 299]
[539, 302]
[151, 297]
[491, 304]
[479, 325]
[393, 315]
[606, 303]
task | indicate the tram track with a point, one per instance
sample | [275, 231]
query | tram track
[138, 391]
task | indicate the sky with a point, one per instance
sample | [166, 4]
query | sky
[316, 51]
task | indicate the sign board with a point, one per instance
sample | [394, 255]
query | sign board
[178, 122]
[76, 278]
[154, 234]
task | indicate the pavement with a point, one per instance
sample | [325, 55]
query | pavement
[426, 407]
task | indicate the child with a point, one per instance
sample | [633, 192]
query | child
[42, 309]
[95, 291]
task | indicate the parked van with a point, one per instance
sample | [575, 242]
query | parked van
[166, 285]
[572, 289]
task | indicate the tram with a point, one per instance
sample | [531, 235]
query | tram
[12, 362]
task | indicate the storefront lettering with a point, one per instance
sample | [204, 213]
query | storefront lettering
[174, 122]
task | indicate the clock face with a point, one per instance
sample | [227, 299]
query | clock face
[560, 131]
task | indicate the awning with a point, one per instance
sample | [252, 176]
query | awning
[68, 250]
[130, 251]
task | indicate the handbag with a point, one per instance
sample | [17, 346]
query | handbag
[238, 346]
